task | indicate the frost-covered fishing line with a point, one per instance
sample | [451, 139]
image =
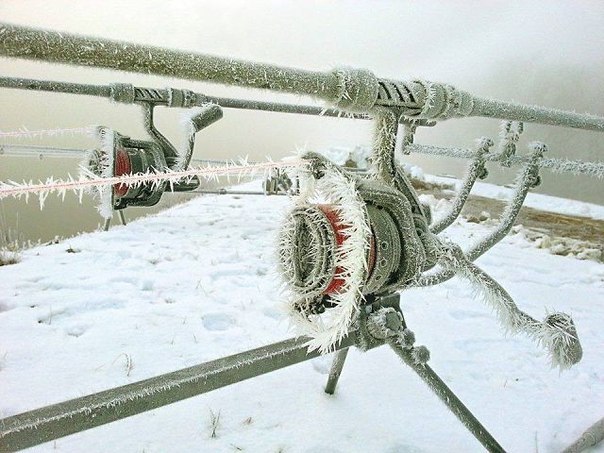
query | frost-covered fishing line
[88, 180]
[24, 133]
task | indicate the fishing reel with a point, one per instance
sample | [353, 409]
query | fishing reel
[348, 238]
[120, 155]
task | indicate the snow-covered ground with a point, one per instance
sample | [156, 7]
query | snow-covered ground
[197, 282]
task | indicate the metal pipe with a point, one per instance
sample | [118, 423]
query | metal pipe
[58, 420]
[349, 89]
[491, 108]
[525, 181]
[232, 192]
[122, 216]
[575, 167]
[590, 438]
[56, 87]
[51, 46]
[284, 108]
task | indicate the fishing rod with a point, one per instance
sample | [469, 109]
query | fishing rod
[347, 89]
[167, 97]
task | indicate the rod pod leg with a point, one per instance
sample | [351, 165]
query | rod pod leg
[122, 216]
[383, 322]
[107, 223]
[446, 395]
[336, 370]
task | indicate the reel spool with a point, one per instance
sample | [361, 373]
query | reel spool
[126, 156]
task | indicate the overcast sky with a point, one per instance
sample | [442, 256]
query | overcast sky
[546, 52]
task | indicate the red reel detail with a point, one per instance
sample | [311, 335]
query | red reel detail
[122, 167]
[338, 227]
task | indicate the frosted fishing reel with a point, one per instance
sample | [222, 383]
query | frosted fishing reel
[126, 156]
[349, 238]
[120, 155]
[278, 182]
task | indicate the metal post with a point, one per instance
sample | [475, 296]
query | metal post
[52, 422]
[336, 370]
[107, 224]
[122, 216]
[163, 96]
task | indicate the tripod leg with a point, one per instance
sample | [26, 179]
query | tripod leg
[447, 396]
[336, 371]
[107, 224]
[122, 217]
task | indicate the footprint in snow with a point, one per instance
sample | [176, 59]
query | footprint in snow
[322, 364]
[217, 321]
[76, 330]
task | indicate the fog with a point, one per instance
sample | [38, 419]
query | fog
[547, 53]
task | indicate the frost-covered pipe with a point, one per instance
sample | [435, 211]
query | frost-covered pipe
[45, 424]
[354, 90]
[556, 333]
[388, 324]
[446, 395]
[492, 108]
[35, 44]
[41, 152]
[527, 178]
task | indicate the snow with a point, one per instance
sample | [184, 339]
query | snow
[198, 282]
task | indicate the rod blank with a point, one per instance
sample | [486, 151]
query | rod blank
[51, 46]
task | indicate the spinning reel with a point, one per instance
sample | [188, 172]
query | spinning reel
[121, 155]
[394, 240]
[350, 238]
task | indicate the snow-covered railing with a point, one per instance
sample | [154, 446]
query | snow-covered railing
[350, 243]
